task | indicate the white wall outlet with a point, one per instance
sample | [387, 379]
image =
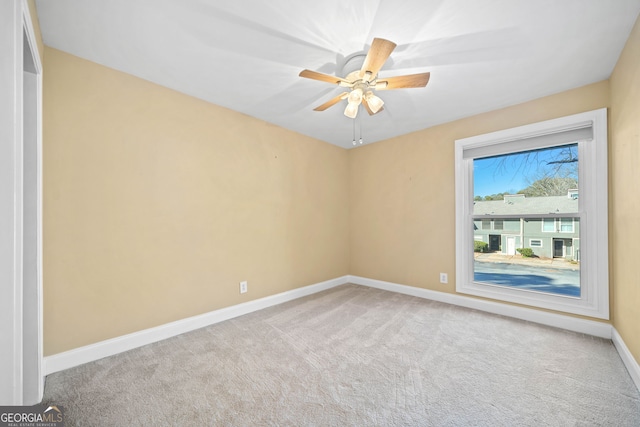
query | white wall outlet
[444, 278]
[243, 287]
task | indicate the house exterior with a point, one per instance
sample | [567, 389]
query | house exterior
[548, 237]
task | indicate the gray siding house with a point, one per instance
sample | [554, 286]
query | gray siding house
[548, 237]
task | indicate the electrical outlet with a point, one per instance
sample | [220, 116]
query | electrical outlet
[444, 278]
[243, 287]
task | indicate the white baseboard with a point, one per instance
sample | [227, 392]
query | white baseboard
[627, 358]
[89, 353]
[590, 327]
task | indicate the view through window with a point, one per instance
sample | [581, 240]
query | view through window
[526, 220]
[531, 215]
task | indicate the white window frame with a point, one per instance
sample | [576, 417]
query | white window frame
[593, 205]
[536, 240]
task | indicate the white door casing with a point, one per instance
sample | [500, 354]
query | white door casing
[33, 378]
[21, 381]
[10, 203]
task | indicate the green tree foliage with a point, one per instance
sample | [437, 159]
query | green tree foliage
[479, 246]
[499, 196]
[549, 187]
[525, 252]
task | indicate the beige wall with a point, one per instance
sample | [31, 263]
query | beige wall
[402, 226]
[157, 204]
[624, 172]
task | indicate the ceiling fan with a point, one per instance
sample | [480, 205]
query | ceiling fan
[364, 81]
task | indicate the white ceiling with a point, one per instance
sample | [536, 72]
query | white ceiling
[246, 54]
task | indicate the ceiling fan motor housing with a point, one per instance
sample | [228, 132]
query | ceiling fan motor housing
[352, 64]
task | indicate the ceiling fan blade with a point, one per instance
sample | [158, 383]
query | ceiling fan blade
[376, 57]
[331, 102]
[314, 75]
[402, 82]
[368, 108]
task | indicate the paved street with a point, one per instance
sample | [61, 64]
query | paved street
[543, 277]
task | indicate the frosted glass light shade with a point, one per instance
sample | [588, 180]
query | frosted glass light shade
[375, 103]
[355, 96]
[352, 110]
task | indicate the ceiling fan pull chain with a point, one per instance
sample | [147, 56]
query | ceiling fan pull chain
[360, 124]
[354, 132]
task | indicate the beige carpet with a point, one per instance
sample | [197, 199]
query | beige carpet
[356, 356]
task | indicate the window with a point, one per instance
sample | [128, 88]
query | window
[566, 225]
[563, 225]
[549, 225]
[554, 224]
[486, 224]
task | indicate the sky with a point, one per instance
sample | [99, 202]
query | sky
[513, 172]
[488, 180]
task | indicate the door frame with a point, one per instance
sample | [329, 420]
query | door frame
[495, 242]
[21, 336]
[33, 376]
[554, 242]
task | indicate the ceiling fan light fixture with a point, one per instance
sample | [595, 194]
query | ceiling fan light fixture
[355, 97]
[352, 110]
[374, 102]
